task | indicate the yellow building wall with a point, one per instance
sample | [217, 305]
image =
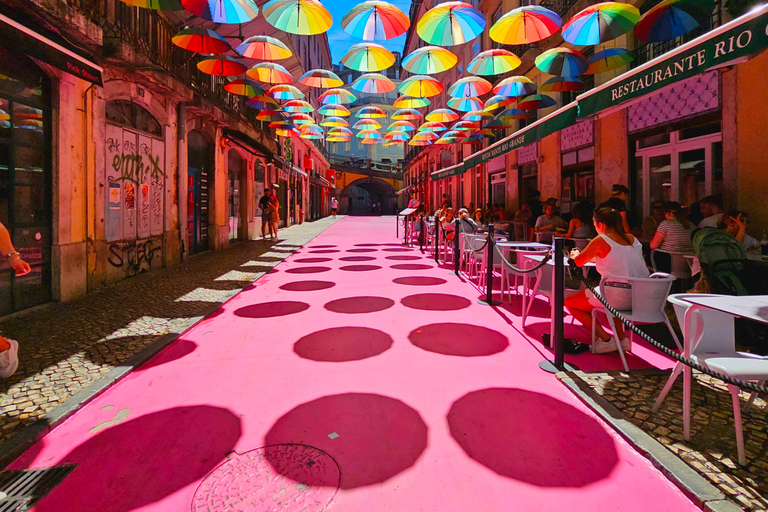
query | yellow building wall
[611, 154]
[346, 178]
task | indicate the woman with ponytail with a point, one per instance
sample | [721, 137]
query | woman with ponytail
[616, 253]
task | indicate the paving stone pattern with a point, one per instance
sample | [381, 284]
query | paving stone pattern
[65, 347]
[712, 448]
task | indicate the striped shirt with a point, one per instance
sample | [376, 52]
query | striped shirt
[677, 239]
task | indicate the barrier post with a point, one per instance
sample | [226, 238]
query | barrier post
[405, 228]
[491, 249]
[557, 324]
[397, 225]
[422, 233]
[456, 249]
[437, 239]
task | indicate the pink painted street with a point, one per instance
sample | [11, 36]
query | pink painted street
[357, 375]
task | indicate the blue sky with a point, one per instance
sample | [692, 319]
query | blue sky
[340, 41]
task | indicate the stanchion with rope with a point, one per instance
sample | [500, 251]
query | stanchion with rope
[437, 239]
[489, 252]
[422, 233]
[456, 241]
[397, 225]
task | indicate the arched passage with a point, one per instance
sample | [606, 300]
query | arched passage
[368, 196]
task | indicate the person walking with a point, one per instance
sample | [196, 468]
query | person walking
[9, 349]
[266, 213]
[334, 206]
[274, 207]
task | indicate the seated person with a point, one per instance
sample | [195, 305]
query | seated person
[478, 218]
[712, 210]
[447, 222]
[581, 222]
[549, 222]
[735, 224]
[467, 224]
[656, 217]
[674, 234]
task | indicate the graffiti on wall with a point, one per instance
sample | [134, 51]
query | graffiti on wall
[135, 256]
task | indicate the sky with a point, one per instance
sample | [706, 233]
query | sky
[340, 41]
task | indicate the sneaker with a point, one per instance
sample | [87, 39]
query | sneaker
[603, 347]
[9, 360]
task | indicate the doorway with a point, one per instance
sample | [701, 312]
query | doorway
[236, 171]
[200, 163]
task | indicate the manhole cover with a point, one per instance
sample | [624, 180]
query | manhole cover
[290, 477]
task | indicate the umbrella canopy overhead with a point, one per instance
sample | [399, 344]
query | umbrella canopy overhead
[608, 59]
[320, 79]
[442, 115]
[375, 20]
[421, 86]
[262, 103]
[342, 130]
[562, 84]
[334, 110]
[221, 65]
[429, 60]
[370, 113]
[270, 115]
[156, 5]
[672, 18]
[300, 118]
[515, 86]
[600, 23]
[524, 25]
[473, 139]
[466, 104]
[470, 87]
[368, 133]
[455, 134]
[368, 57]
[409, 102]
[450, 23]
[498, 124]
[536, 101]
[302, 17]
[432, 126]
[223, 11]
[366, 124]
[263, 48]
[465, 125]
[373, 83]
[287, 132]
[426, 135]
[298, 106]
[493, 62]
[339, 138]
[476, 115]
[332, 122]
[403, 126]
[397, 136]
[285, 92]
[497, 102]
[407, 114]
[244, 87]
[201, 40]
[270, 72]
[513, 113]
[337, 96]
[562, 61]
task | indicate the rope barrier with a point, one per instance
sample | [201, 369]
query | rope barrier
[536, 267]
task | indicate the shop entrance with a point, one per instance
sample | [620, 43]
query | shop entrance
[236, 171]
[200, 163]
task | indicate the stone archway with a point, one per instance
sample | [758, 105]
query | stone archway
[360, 196]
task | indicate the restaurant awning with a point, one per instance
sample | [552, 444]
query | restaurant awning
[405, 190]
[23, 39]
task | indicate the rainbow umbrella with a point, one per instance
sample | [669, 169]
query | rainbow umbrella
[375, 20]
[421, 86]
[403, 126]
[334, 110]
[493, 62]
[287, 132]
[221, 65]
[337, 96]
[244, 87]
[311, 136]
[429, 60]
[4, 115]
[600, 23]
[340, 131]
[270, 115]
[368, 57]
[672, 18]
[476, 115]
[515, 86]
[407, 114]
[484, 132]
[497, 102]
[372, 133]
[420, 142]
[270, 73]
[454, 134]
[465, 126]
[512, 113]
[397, 136]
[370, 113]
[262, 103]
[536, 101]
[298, 106]
[447, 140]
[283, 124]
[264, 48]
[391, 143]
[562, 61]
[426, 135]
[408, 102]
[222, 11]
[366, 124]
[372, 140]
[301, 118]
[466, 104]
[524, 25]
[201, 40]
[285, 92]
[320, 79]
[337, 139]
[156, 5]
[432, 126]
[442, 115]
[498, 124]
[302, 17]
[373, 83]
[450, 23]
[608, 59]
[473, 139]
[561, 84]
[333, 122]
[470, 87]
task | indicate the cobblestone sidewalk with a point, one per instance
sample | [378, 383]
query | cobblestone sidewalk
[67, 346]
[712, 448]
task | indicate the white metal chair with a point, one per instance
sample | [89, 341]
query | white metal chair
[680, 268]
[649, 295]
[474, 253]
[709, 340]
[543, 286]
[508, 272]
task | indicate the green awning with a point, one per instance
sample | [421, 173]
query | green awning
[737, 39]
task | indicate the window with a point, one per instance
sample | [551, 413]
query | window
[127, 113]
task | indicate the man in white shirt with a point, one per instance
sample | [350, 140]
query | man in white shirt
[334, 206]
[712, 208]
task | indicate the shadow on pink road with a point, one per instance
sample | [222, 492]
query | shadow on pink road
[359, 376]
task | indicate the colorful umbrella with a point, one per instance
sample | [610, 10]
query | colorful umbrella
[340, 131]
[561, 84]
[201, 40]
[421, 86]
[429, 60]
[608, 59]
[470, 87]
[407, 114]
[397, 136]
[600, 23]
[373, 83]
[497, 102]
[515, 86]
[302, 17]
[366, 124]
[334, 122]
[311, 136]
[524, 25]
[244, 87]
[298, 106]
[409, 102]
[262, 103]
[270, 73]
[426, 135]
[264, 48]
[447, 140]
[465, 125]
[337, 139]
[450, 23]
[285, 92]
[672, 18]
[370, 113]
[442, 115]
[338, 96]
[368, 57]
[282, 132]
[420, 142]
[372, 140]
[484, 132]
[403, 126]
[222, 11]
[562, 61]
[270, 115]
[493, 62]
[156, 5]
[375, 20]
[320, 79]
[454, 134]
[466, 104]
[221, 65]
[473, 139]
[368, 133]
[301, 118]
[334, 110]
[432, 126]
[498, 124]
[284, 124]
[512, 113]
[536, 101]
[476, 115]
[391, 143]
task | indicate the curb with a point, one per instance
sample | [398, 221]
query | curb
[25, 438]
[697, 488]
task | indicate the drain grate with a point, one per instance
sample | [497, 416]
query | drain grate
[20, 489]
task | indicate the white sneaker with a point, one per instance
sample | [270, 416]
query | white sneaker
[603, 347]
[9, 360]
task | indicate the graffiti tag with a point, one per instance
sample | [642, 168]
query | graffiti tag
[134, 167]
[136, 256]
